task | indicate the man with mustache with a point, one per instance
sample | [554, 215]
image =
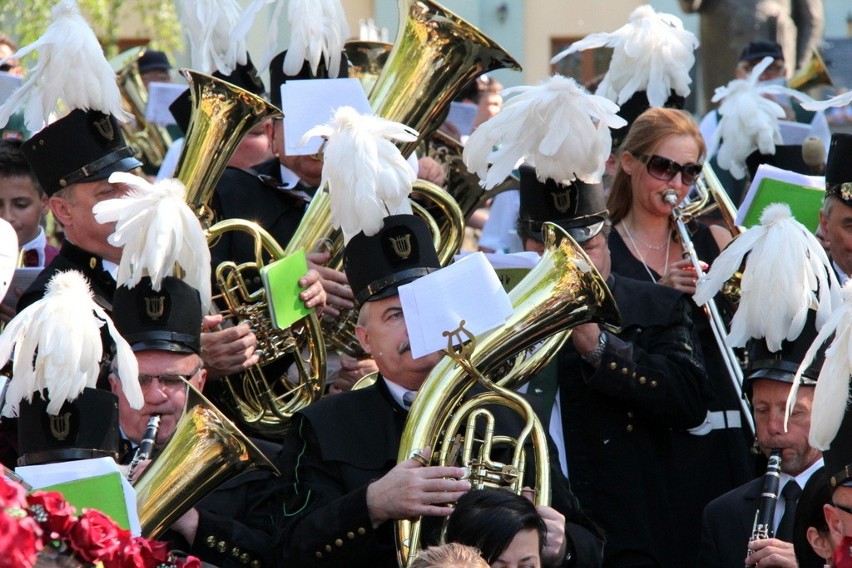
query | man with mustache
[345, 488]
[728, 520]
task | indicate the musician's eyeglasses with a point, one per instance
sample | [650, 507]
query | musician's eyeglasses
[168, 382]
[664, 169]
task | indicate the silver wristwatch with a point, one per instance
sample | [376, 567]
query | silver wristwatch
[597, 354]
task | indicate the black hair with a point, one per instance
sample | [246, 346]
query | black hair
[488, 519]
[14, 164]
[809, 513]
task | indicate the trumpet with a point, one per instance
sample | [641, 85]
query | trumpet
[732, 363]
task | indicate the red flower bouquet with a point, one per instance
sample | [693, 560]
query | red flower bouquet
[44, 525]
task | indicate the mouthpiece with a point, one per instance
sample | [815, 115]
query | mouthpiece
[670, 197]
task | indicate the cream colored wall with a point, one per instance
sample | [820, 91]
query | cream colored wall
[547, 19]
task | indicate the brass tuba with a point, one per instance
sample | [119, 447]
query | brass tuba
[221, 115]
[436, 53]
[205, 450]
[563, 290]
[150, 140]
[813, 74]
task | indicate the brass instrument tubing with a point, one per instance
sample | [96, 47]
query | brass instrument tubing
[732, 365]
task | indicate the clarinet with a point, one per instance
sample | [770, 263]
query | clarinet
[765, 514]
[146, 446]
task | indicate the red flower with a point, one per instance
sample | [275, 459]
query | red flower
[52, 512]
[190, 562]
[20, 541]
[95, 537]
[12, 495]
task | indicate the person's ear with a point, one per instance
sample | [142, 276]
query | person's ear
[628, 162]
[363, 338]
[61, 208]
[820, 543]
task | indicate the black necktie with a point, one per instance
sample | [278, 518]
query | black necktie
[408, 399]
[31, 258]
[791, 494]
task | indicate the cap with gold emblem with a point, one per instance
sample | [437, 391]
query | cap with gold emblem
[83, 146]
[838, 168]
[168, 319]
[401, 252]
[577, 207]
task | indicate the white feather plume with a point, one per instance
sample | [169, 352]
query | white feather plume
[557, 126]
[157, 232]
[207, 25]
[57, 346]
[749, 119]
[651, 53]
[367, 177]
[780, 245]
[318, 30]
[831, 396]
[71, 66]
[838, 101]
[8, 255]
[243, 28]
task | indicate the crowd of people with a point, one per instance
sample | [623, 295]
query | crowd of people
[652, 461]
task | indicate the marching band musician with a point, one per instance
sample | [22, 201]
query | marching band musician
[613, 398]
[345, 488]
[738, 527]
[834, 220]
[728, 520]
[233, 525]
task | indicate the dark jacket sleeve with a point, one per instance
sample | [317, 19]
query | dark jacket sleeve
[657, 369]
[708, 550]
[324, 525]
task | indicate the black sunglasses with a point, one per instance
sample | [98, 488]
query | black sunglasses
[665, 170]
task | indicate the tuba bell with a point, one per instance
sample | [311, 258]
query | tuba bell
[813, 74]
[205, 450]
[436, 53]
[150, 140]
[263, 399]
[563, 290]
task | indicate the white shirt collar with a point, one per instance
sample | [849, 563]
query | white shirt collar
[289, 178]
[397, 392]
[842, 276]
[803, 477]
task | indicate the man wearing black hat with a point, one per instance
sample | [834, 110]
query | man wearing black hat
[345, 488]
[233, 525]
[835, 219]
[73, 159]
[612, 399]
[728, 521]
[154, 67]
[787, 155]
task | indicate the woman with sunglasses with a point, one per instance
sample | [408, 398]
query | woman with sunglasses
[664, 151]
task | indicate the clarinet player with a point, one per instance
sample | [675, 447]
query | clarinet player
[728, 521]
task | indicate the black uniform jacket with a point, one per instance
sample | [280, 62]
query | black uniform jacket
[617, 421]
[335, 448]
[727, 527]
[253, 196]
[72, 257]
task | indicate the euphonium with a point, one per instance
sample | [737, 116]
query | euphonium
[205, 450]
[366, 60]
[221, 115]
[563, 290]
[148, 139]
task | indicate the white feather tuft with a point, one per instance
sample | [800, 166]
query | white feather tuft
[781, 245]
[71, 66]
[838, 101]
[157, 232]
[557, 126]
[651, 53]
[57, 346]
[8, 255]
[831, 396]
[318, 30]
[749, 119]
[367, 177]
[207, 25]
[243, 28]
